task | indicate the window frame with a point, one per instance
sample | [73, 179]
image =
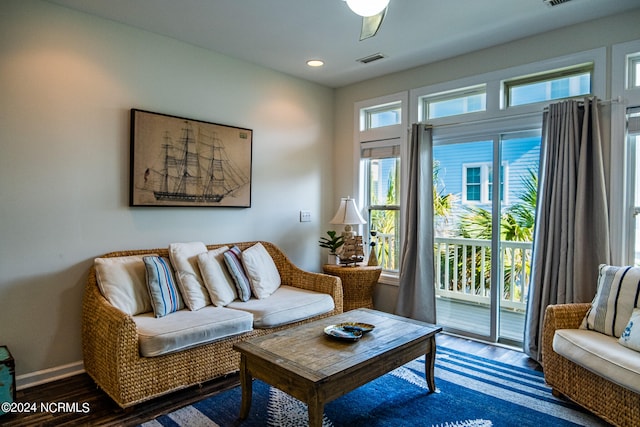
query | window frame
[386, 136]
[371, 207]
[367, 113]
[515, 118]
[495, 100]
[622, 221]
[547, 77]
[633, 70]
[457, 94]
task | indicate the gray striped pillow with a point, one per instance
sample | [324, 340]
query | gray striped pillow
[233, 259]
[618, 294]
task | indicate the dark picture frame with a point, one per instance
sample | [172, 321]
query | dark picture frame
[176, 161]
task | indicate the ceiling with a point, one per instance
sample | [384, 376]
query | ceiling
[284, 34]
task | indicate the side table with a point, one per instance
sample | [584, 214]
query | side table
[357, 284]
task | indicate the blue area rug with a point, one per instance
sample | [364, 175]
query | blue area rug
[472, 392]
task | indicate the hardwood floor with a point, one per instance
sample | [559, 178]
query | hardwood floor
[95, 408]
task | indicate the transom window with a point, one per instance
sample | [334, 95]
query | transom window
[381, 116]
[556, 84]
[462, 101]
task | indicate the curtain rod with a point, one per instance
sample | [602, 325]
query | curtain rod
[488, 120]
[616, 100]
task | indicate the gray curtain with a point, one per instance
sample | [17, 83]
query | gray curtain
[572, 223]
[416, 296]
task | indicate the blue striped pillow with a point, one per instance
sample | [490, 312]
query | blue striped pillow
[233, 259]
[165, 297]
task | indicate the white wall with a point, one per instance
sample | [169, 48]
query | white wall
[67, 82]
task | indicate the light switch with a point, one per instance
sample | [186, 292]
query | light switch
[305, 216]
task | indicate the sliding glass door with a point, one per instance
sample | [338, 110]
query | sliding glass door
[462, 248]
[484, 203]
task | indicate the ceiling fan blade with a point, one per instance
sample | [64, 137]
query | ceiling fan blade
[371, 25]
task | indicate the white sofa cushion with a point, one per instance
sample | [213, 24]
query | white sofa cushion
[185, 328]
[617, 295]
[600, 354]
[261, 270]
[122, 282]
[216, 277]
[184, 257]
[286, 305]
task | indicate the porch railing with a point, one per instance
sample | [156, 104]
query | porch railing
[463, 268]
[387, 251]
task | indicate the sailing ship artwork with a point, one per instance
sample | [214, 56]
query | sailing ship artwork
[351, 251]
[182, 162]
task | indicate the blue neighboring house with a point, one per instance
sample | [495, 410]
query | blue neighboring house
[466, 171]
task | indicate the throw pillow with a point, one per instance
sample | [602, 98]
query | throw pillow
[631, 335]
[261, 270]
[163, 290]
[233, 259]
[216, 277]
[184, 257]
[617, 295]
[122, 282]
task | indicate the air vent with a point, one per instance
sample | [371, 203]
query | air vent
[552, 3]
[370, 58]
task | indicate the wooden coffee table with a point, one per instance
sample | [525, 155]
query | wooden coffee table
[315, 369]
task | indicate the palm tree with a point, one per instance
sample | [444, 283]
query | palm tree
[516, 224]
[442, 203]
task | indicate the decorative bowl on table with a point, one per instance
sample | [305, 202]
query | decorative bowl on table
[348, 331]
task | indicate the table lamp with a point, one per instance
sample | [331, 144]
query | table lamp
[348, 215]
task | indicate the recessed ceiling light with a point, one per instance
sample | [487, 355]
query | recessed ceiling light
[315, 63]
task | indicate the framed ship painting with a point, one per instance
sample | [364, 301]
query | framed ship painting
[182, 162]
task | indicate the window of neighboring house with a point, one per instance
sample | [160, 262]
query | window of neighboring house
[460, 101]
[474, 183]
[550, 85]
[478, 182]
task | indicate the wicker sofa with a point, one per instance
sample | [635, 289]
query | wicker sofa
[614, 403]
[110, 340]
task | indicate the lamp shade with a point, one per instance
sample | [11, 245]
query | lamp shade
[367, 7]
[347, 213]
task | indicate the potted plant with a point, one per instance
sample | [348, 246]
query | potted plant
[333, 242]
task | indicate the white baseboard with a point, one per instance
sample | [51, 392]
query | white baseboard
[48, 375]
